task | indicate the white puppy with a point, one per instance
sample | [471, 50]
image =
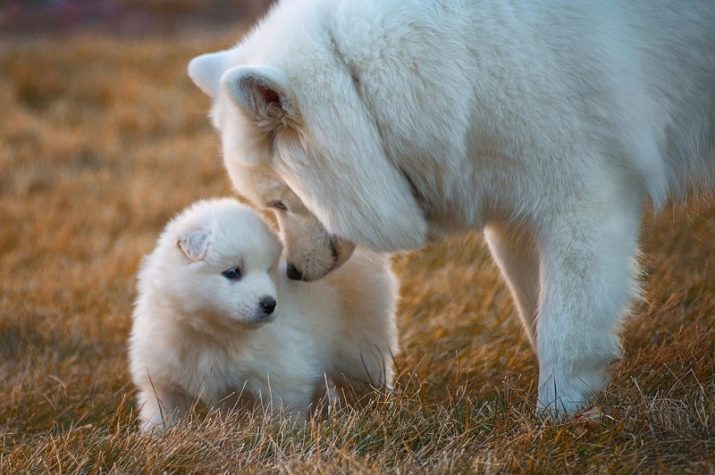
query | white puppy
[215, 320]
[547, 124]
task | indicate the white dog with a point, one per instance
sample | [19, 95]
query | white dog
[546, 123]
[215, 320]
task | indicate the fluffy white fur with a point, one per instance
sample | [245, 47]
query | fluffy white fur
[546, 123]
[199, 336]
[305, 238]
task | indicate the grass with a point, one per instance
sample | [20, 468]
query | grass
[103, 140]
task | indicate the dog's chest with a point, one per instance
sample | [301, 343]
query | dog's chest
[217, 373]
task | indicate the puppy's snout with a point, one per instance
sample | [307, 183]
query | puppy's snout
[293, 273]
[267, 304]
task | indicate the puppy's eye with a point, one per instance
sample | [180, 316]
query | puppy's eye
[234, 273]
[278, 205]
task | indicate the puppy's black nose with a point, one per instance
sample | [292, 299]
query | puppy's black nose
[268, 304]
[293, 273]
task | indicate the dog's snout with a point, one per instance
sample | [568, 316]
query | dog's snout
[293, 273]
[268, 304]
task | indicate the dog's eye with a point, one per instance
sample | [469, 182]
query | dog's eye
[278, 205]
[234, 273]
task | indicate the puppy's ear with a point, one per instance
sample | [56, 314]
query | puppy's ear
[194, 244]
[260, 91]
[206, 71]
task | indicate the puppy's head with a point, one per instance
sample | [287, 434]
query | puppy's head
[218, 264]
[311, 251]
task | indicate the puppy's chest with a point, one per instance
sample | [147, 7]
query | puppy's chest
[217, 374]
[220, 374]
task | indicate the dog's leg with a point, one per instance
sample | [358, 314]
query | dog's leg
[297, 403]
[160, 408]
[515, 252]
[587, 278]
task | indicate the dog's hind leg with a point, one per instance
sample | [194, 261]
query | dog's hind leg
[514, 250]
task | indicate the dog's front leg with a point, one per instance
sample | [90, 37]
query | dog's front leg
[160, 407]
[587, 278]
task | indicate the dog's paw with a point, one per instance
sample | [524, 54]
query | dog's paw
[561, 397]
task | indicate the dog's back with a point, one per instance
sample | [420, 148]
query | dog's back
[348, 318]
[368, 290]
[632, 80]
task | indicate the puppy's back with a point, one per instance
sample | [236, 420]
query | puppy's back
[367, 292]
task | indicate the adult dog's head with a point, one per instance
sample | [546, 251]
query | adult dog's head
[286, 99]
[311, 251]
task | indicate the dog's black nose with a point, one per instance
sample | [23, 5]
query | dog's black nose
[268, 304]
[293, 273]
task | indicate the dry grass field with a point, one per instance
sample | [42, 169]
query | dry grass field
[102, 140]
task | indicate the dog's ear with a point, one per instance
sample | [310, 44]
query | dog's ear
[206, 71]
[194, 244]
[260, 91]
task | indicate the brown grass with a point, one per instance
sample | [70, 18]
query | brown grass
[102, 140]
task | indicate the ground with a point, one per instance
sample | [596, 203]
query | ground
[102, 140]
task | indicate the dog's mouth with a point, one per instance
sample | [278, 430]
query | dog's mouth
[333, 250]
[255, 320]
[253, 324]
[262, 318]
[342, 250]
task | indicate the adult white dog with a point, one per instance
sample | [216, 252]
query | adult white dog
[216, 322]
[546, 123]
